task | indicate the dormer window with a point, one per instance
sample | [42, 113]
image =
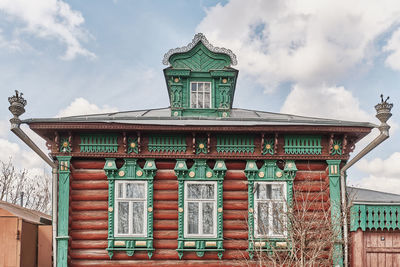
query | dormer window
[200, 95]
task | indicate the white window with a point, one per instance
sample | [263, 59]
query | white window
[130, 209]
[200, 209]
[200, 95]
[270, 209]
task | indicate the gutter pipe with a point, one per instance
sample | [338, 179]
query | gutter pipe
[383, 114]
[17, 104]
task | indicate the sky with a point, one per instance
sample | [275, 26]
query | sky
[314, 58]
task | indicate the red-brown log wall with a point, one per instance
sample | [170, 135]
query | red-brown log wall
[88, 215]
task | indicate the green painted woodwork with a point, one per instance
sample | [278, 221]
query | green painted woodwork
[334, 194]
[62, 238]
[268, 146]
[303, 144]
[200, 172]
[336, 148]
[200, 65]
[374, 217]
[133, 145]
[235, 144]
[105, 143]
[267, 173]
[167, 143]
[65, 145]
[201, 146]
[199, 58]
[130, 171]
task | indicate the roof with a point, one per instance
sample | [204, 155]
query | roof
[367, 196]
[29, 215]
[238, 117]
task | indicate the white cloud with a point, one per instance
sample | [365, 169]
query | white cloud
[393, 47]
[305, 42]
[81, 106]
[48, 19]
[329, 102]
[382, 174]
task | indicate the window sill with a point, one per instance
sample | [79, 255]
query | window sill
[200, 246]
[130, 245]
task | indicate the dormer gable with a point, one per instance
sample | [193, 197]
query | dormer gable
[200, 79]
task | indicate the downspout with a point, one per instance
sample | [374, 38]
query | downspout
[383, 114]
[17, 108]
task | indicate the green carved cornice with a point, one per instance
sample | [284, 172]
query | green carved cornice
[241, 144]
[374, 217]
[200, 172]
[334, 193]
[268, 172]
[64, 164]
[167, 143]
[130, 171]
[303, 144]
[96, 143]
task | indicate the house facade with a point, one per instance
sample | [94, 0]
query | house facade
[199, 183]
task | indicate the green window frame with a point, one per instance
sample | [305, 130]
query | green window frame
[268, 174]
[201, 174]
[130, 173]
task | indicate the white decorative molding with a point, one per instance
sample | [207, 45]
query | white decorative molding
[197, 38]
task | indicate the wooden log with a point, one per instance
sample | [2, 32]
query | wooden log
[235, 165]
[309, 186]
[89, 185]
[89, 244]
[165, 205]
[165, 165]
[89, 195]
[165, 214]
[166, 195]
[159, 254]
[89, 234]
[89, 225]
[310, 166]
[164, 234]
[235, 195]
[235, 225]
[165, 244]
[236, 234]
[89, 205]
[313, 206]
[235, 175]
[234, 185]
[165, 175]
[89, 175]
[311, 196]
[235, 214]
[88, 164]
[235, 205]
[164, 263]
[236, 244]
[89, 215]
[166, 225]
[310, 176]
[165, 185]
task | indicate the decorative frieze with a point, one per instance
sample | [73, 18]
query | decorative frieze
[303, 144]
[235, 144]
[167, 143]
[105, 143]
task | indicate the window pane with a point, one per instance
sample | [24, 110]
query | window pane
[208, 219]
[120, 190]
[123, 211]
[277, 218]
[193, 100]
[194, 191]
[137, 217]
[207, 191]
[200, 87]
[194, 87]
[193, 218]
[262, 218]
[200, 100]
[206, 100]
[135, 190]
[276, 191]
[206, 87]
[264, 191]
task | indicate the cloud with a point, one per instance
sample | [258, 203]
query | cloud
[47, 19]
[305, 42]
[331, 102]
[81, 106]
[382, 174]
[393, 47]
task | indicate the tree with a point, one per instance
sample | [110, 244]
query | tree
[18, 187]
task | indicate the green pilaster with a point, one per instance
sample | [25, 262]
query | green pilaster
[334, 191]
[63, 210]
